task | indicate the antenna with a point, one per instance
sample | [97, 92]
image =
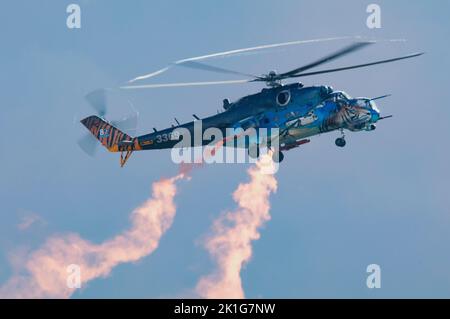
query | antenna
[381, 97]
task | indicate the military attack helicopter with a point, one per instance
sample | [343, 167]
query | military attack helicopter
[296, 110]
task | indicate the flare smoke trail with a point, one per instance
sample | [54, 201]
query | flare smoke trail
[230, 243]
[46, 268]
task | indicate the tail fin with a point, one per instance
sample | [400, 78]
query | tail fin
[109, 136]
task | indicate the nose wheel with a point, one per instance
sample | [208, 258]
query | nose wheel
[340, 141]
[278, 157]
[253, 152]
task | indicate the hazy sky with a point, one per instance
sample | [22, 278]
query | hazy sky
[383, 199]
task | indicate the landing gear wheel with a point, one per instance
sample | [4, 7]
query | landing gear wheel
[340, 142]
[277, 157]
[253, 152]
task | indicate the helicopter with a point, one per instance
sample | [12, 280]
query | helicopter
[298, 112]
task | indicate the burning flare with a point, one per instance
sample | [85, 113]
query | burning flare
[46, 269]
[230, 243]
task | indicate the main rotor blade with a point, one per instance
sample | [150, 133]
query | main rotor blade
[358, 66]
[237, 52]
[211, 68]
[347, 50]
[184, 84]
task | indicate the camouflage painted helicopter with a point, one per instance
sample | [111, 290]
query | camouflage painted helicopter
[297, 111]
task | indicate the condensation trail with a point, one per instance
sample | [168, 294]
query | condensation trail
[230, 241]
[236, 52]
[46, 269]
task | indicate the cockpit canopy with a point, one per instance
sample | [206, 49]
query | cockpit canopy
[365, 103]
[339, 96]
[343, 97]
[374, 106]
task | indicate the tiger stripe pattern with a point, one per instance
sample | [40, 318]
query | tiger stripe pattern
[108, 135]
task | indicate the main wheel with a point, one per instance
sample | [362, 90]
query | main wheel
[253, 152]
[340, 142]
[277, 157]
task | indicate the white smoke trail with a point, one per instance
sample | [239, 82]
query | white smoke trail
[230, 243]
[46, 268]
[184, 84]
[237, 52]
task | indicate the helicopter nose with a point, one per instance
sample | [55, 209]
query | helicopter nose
[375, 116]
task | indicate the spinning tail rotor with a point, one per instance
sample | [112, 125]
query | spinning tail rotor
[108, 133]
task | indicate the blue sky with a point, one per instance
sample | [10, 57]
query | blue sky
[383, 199]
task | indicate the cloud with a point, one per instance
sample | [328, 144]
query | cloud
[45, 269]
[30, 220]
[230, 241]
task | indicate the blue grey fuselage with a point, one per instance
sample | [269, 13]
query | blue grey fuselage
[297, 111]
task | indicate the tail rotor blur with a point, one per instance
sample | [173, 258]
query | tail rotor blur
[99, 102]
